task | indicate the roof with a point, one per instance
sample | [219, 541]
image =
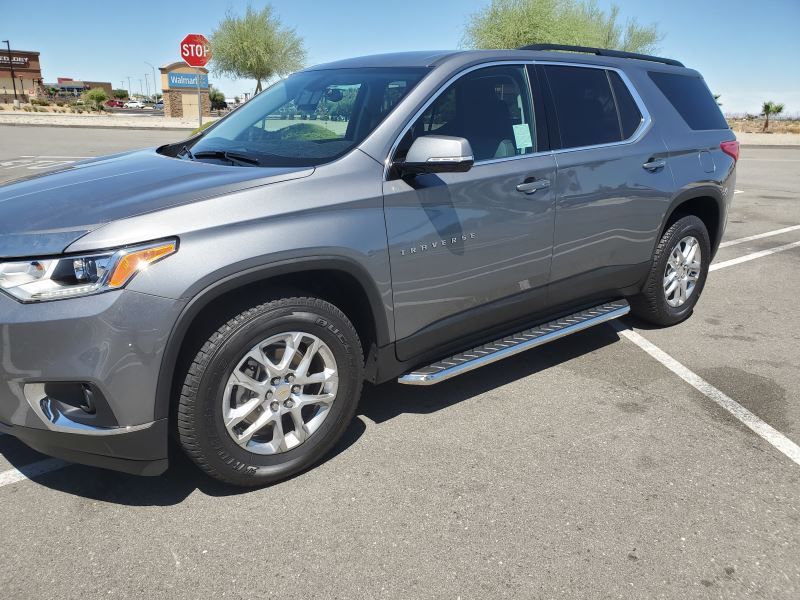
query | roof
[434, 58]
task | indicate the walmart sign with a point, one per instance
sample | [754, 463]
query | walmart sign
[186, 80]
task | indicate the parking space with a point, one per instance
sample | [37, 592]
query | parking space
[585, 468]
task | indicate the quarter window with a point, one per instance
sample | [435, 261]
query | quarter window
[584, 106]
[691, 98]
[629, 115]
[490, 107]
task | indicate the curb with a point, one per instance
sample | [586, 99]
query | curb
[125, 127]
[776, 146]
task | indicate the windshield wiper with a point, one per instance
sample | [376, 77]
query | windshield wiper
[186, 152]
[232, 157]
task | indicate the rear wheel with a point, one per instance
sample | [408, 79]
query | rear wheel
[677, 275]
[271, 391]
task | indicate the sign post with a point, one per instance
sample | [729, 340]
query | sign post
[196, 52]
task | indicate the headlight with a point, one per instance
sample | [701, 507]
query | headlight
[70, 276]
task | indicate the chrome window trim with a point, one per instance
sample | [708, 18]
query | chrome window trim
[644, 126]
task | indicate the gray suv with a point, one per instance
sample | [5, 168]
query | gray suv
[406, 216]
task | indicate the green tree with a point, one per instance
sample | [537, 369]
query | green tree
[216, 97]
[515, 23]
[120, 94]
[770, 108]
[96, 97]
[255, 46]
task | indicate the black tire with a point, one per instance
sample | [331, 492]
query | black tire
[651, 304]
[201, 429]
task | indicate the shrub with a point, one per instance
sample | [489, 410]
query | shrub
[59, 103]
[39, 102]
[203, 126]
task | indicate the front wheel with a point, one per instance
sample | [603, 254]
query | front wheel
[271, 391]
[677, 274]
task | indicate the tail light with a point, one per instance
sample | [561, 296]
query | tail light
[731, 149]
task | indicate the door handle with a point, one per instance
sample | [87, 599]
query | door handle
[654, 165]
[530, 187]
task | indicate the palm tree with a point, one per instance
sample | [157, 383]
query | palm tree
[770, 108]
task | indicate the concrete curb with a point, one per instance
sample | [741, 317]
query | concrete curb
[776, 146]
[124, 127]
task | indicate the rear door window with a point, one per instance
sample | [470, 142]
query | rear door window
[691, 98]
[584, 106]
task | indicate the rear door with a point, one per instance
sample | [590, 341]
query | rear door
[612, 186]
[470, 251]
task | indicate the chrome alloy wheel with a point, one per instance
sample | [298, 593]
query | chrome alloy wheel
[682, 271]
[280, 393]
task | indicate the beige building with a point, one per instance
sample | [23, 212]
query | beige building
[180, 84]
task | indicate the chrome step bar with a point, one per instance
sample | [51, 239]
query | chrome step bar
[514, 344]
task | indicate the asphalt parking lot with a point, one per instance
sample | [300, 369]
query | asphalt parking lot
[614, 463]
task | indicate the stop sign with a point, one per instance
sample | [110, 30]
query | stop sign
[195, 50]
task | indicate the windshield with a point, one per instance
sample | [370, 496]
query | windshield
[310, 118]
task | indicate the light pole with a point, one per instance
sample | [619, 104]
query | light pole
[141, 92]
[129, 87]
[11, 65]
[147, 85]
[155, 85]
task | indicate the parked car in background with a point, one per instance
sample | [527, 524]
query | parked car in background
[134, 104]
[115, 103]
[158, 105]
[237, 288]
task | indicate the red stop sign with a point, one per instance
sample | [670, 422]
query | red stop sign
[195, 50]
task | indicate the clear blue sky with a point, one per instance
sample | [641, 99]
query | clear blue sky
[748, 50]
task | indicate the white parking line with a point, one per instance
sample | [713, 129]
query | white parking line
[30, 471]
[41, 156]
[759, 236]
[762, 429]
[753, 256]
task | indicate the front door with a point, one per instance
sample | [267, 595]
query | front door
[470, 251]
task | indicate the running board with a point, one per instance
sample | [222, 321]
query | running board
[514, 344]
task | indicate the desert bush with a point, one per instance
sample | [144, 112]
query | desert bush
[39, 102]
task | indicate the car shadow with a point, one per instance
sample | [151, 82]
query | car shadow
[378, 404]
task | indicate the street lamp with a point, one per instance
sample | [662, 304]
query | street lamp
[147, 85]
[11, 65]
[129, 87]
[155, 85]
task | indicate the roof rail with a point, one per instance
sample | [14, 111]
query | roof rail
[603, 52]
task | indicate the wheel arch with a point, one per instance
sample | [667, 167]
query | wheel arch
[704, 202]
[340, 281]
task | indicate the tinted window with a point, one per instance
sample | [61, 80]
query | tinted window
[629, 116]
[692, 99]
[584, 106]
[312, 117]
[489, 107]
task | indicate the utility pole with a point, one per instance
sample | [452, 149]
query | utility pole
[129, 87]
[11, 64]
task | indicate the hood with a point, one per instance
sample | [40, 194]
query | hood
[44, 214]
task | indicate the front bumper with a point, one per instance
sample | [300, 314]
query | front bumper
[110, 345]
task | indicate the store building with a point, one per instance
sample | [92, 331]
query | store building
[180, 82]
[69, 87]
[27, 75]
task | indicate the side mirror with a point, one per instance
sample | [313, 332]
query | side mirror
[437, 154]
